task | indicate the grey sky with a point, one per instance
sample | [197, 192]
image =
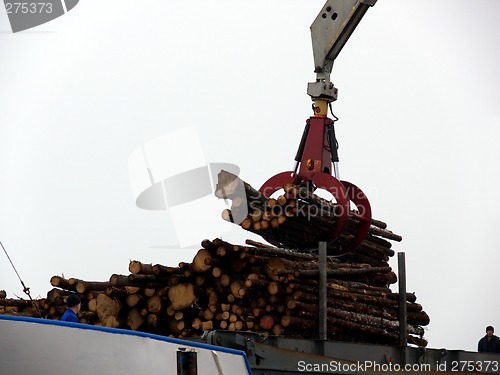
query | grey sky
[419, 128]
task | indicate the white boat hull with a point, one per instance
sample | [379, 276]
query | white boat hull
[46, 347]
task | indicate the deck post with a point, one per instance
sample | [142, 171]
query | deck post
[322, 292]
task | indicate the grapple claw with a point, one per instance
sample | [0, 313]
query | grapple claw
[277, 182]
[363, 214]
[337, 189]
[321, 181]
[317, 151]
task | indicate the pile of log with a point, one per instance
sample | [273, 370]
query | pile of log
[253, 287]
[299, 219]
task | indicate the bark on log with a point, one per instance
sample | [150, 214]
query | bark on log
[229, 186]
[20, 303]
[136, 266]
[344, 272]
[85, 286]
[61, 282]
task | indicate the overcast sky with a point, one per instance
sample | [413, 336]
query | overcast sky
[419, 129]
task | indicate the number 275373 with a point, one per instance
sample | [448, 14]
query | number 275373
[25, 8]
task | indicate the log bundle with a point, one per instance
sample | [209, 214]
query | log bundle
[254, 287]
[299, 219]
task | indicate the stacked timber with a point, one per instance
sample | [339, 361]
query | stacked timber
[255, 287]
[252, 287]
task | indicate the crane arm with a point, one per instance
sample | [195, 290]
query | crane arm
[329, 33]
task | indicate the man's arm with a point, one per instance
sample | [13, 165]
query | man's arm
[495, 344]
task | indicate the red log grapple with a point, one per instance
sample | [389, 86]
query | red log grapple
[313, 169]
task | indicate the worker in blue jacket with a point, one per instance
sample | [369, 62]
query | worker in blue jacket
[489, 343]
[73, 308]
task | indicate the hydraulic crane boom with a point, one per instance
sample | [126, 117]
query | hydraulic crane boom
[329, 33]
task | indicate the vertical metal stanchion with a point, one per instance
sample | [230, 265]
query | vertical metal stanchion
[403, 338]
[322, 292]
